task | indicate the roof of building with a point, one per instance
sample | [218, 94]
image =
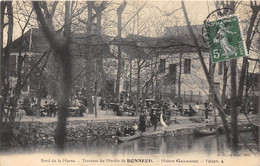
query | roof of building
[34, 40]
[175, 39]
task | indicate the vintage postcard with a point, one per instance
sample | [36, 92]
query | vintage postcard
[129, 82]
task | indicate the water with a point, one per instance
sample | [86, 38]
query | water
[163, 145]
[150, 145]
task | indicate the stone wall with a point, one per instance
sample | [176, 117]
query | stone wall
[78, 132]
[38, 133]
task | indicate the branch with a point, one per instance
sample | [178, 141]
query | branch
[45, 9]
[121, 8]
[54, 5]
[33, 68]
[47, 30]
[222, 114]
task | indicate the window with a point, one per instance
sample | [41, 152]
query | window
[162, 65]
[187, 66]
[172, 73]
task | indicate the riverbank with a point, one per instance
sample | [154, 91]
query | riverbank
[40, 132]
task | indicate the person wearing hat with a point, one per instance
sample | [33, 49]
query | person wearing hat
[127, 130]
[154, 119]
[52, 109]
[180, 106]
[208, 109]
[142, 119]
[82, 108]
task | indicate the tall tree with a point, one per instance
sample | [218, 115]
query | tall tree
[89, 59]
[208, 76]
[6, 132]
[100, 74]
[179, 79]
[3, 6]
[120, 10]
[233, 106]
[61, 46]
[252, 29]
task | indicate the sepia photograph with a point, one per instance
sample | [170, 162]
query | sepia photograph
[127, 82]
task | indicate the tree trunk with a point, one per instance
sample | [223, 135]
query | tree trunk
[130, 75]
[234, 112]
[89, 60]
[119, 64]
[5, 58]
[179, 79]
[138, 86]
[221, 112]
[102, 78]
[7, 126]
[156, 76]
[66, 76]
[88, 85]
[95, 101]
[152, 74]
[223, 98]
[61, 47]
[3, 6]
[249, 39]
[118, 75]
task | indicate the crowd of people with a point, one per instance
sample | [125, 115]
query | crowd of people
[151, 111]
[155, 112]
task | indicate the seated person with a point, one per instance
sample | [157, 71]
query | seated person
[82, 108]
[127, 131]
[180, 106]
[125, 108]
[118, 132]
[135, 127]
[46, 108]
[190, 111]
[174, 106]
[52, 109]
[116, 110]
[132, 131]
[119, 111]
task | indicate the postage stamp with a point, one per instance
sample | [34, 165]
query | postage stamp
[225, 39]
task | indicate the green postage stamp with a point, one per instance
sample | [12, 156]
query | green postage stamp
[225, 39]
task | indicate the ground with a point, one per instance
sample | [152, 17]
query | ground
[178, 122]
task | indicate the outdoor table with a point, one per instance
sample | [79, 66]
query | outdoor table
[74, 111]
[174, 110]
[111, 105]
[129, 110]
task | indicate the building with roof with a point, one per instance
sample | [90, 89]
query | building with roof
[168, 65]
[33, 44]
[172, 57]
